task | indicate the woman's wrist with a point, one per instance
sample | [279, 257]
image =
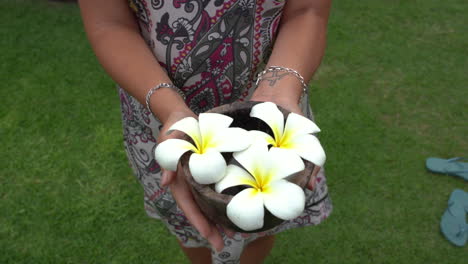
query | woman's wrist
[165, 102]
[282, 83]
[274, 74]
[288, 102]
[286, 88]
[159, 86]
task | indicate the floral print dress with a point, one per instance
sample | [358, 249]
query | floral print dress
[211, 50]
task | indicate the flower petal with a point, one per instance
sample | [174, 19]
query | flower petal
[234, 176]
[252, 158]
[246, 209]
[270, 114]
[210, 123]
[298, 125]
[230, 140]
[283, 162]
[168, 152]
[284, 200]
[309, 148]
[189, 126]
[207, 168]
[260, 136]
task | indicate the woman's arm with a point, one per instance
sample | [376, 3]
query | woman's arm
[300, 45]
[115, 38]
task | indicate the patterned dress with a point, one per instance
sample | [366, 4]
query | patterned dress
[211, 50]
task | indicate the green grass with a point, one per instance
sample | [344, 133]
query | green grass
[392, 90]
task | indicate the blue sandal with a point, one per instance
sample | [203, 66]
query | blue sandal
[453, 224]
[453, 166]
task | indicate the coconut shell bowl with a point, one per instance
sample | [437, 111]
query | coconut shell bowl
[213, 204]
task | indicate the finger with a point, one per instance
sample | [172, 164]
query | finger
[230, 233]
[181, 193]
[313, 178]
[311, 183]
[167, 177]
[173, 134]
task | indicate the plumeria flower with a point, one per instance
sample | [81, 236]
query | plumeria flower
[264, 176]
[211, 135]
[294, 136]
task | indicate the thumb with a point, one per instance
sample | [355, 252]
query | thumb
[311, 183]
[313, 178]
[167, 177]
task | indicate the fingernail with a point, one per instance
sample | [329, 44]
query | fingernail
[220, 248]
[164, 179]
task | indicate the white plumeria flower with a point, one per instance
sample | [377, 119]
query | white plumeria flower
[211, 135]
[294, 136]
[266, 186]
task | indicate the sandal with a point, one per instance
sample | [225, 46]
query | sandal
[452, 166]
[453, 224]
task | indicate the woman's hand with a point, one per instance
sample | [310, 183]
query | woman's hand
[180, 190]
[286, 103]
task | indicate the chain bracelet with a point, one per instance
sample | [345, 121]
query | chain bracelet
[284, 69]
[161, 85]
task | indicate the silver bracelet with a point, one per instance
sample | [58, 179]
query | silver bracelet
[284, 69]
[161, 85]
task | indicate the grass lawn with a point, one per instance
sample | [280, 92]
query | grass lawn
[392, 91]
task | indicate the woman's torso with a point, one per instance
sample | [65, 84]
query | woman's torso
[210, 49]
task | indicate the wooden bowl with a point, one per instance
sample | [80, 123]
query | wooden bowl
[213, 204]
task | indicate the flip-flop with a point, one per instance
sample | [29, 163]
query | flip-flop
[453, 224]
[455, 229]
[453, 166]
[458, 198]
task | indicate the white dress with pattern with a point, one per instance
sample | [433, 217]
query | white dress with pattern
[211, 50]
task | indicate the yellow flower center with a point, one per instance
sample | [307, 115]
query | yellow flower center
[260, 189]
[204, 143]
[261, 181]
[199, 148]
[281, 140]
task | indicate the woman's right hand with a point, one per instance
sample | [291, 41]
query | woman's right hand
[180, 190]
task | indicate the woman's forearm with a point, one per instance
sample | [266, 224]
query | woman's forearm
[119, 47]
[300, 45]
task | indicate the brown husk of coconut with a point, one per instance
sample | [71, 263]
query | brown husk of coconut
[213, 204]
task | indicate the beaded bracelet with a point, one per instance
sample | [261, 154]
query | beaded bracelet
[284, 69]
[161, 85]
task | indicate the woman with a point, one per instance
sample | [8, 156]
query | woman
[173, 59]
